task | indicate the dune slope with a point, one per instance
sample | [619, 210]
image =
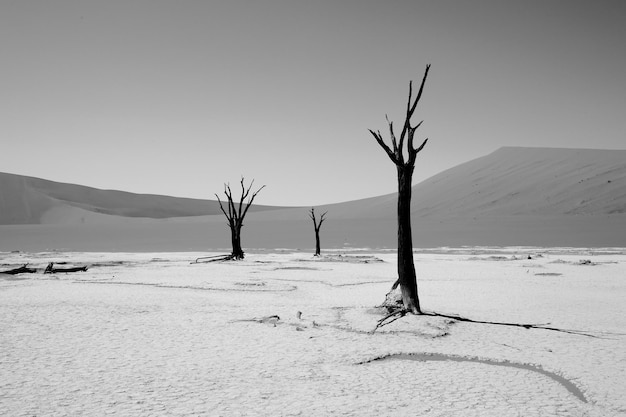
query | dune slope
[28, 200]
[512, 181]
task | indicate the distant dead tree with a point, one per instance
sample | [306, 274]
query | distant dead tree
[236, 214]
[317, 226]
[405, 166]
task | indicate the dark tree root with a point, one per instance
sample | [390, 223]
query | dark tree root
[390, 318]
[401, 312]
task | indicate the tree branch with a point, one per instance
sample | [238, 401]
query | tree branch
[249, 203]
[393, 136]
[382, 143]
[419, 94]
[231, 206]
[322, 218]
[236, 214]
[244, 194]
[397, 154]
[317, 225]
[414, 152]
[221, 207]
[407, 123]
[312, 216]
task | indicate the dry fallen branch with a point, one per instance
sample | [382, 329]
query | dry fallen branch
[273, 320]
[215, 258]
[50, 269]
[21, 270]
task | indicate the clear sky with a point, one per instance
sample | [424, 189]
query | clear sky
[178, 97]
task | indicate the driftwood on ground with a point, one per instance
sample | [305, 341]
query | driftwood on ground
[215, 258]
[21, 270]
[50, 269]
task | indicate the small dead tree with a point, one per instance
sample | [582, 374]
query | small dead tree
[316, 226]
[405, 166]
[236, 213]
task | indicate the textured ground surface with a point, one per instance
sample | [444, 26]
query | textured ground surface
[152, 334]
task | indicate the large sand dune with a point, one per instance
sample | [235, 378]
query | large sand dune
[28, 200]
[515, 181]
[513, 196]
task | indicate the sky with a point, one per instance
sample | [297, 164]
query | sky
[179, 97]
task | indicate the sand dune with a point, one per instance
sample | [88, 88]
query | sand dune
[28, 200]
[511, 197]
[514, 181]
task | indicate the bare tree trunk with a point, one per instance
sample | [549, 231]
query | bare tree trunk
[318, 247]
[406, 268]
[235, 233]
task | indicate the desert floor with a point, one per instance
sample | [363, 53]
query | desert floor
[155, 334]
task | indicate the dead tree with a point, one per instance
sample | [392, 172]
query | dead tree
[405, 166]
[316, 226]
[236, 214]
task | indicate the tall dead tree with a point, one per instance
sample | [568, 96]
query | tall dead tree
[236, 214]
[317, 226]
[405, 166]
